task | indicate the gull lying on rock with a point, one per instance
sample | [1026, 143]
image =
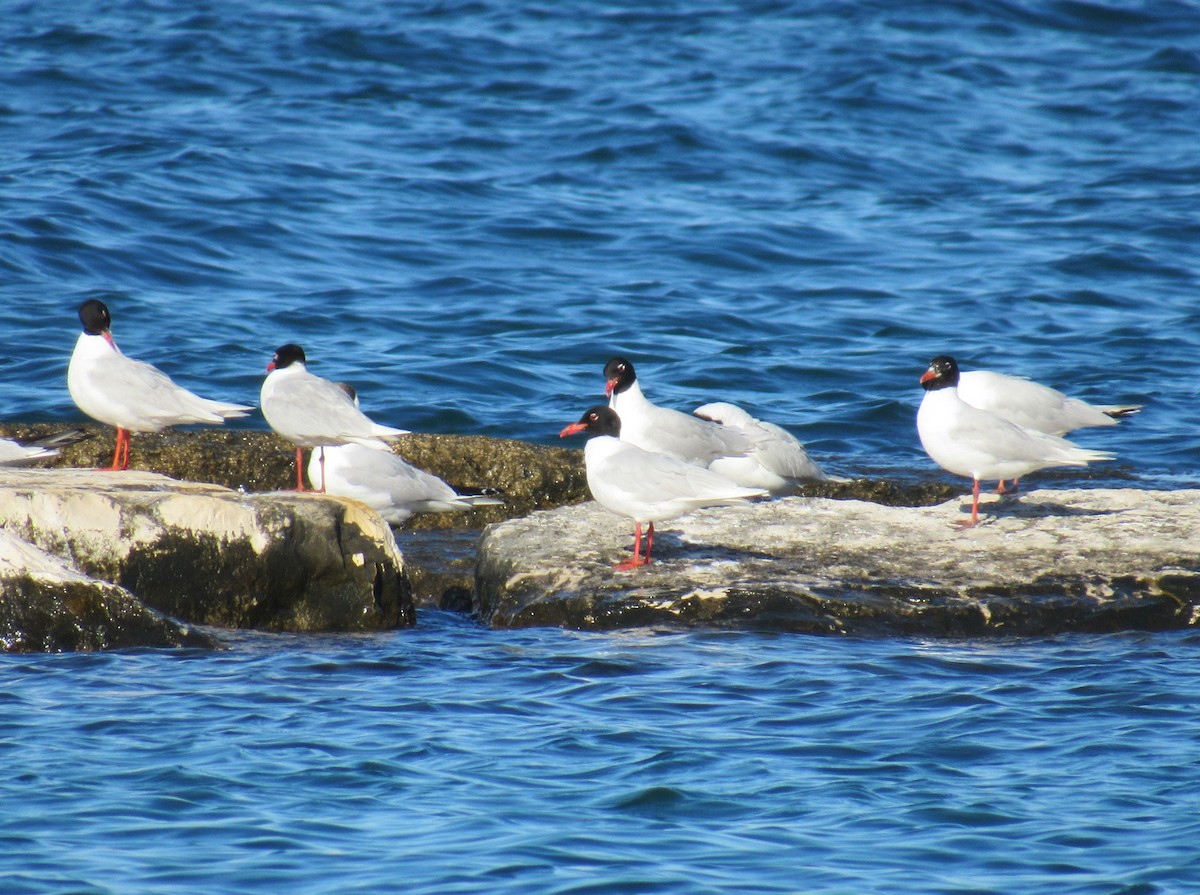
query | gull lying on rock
[387, 483]
[776, 460]
[13, 453]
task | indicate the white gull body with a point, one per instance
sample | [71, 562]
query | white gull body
[1032, 405]
[650, 487]
[14, 453]
[647, 486]
[130, 394]
[387, 483]
[776, 460]
[981, 445]
[310, 411]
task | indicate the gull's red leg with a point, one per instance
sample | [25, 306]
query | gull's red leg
[974, 509]
[637, 546]
[121, 450]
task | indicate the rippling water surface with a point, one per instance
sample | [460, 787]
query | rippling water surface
[465, 208]
[455, 759]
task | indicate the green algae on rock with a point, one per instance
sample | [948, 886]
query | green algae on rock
[47, 606]
[525, 476]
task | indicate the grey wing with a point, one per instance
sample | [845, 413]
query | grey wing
[12, 453]
[781, 452]
[657, 478]
[990, 435]
[1029, 404]
[400, 480]
[316, 408]
[711, 439]
[147, 392]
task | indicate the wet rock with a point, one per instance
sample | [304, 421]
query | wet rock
[210, 555]
[441, 567]
[525, 476]
[48, 606]
[1050, 561]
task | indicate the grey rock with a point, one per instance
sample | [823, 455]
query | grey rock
[439, 548]
[1046, 562]
[525, 476]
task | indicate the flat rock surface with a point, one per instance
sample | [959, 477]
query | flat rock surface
[1042, 562]
[525, 476]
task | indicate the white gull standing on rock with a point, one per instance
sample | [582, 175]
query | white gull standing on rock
[129, 394]
[967, 441]
[646, 486]
[663, 430]
[313, 412]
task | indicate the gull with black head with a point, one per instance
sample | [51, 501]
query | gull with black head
[646, 486]
[130, 394]
[665, 431]
[967, 441]
[312, 412]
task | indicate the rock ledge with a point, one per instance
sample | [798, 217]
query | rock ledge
[1046, 562]
[199, 553]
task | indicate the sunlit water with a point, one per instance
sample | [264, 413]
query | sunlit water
[465, 208]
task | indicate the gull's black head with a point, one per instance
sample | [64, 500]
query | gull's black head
[94, 316]
[286, 356]
[618, 375]
[942, 373]
[598, 420]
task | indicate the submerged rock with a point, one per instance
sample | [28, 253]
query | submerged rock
[209, 555]
[1070, 560]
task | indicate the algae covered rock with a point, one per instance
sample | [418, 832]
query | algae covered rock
[47, 606]
[525, 476]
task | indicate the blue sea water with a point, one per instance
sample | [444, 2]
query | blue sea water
[465, 208]
[455, 759]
